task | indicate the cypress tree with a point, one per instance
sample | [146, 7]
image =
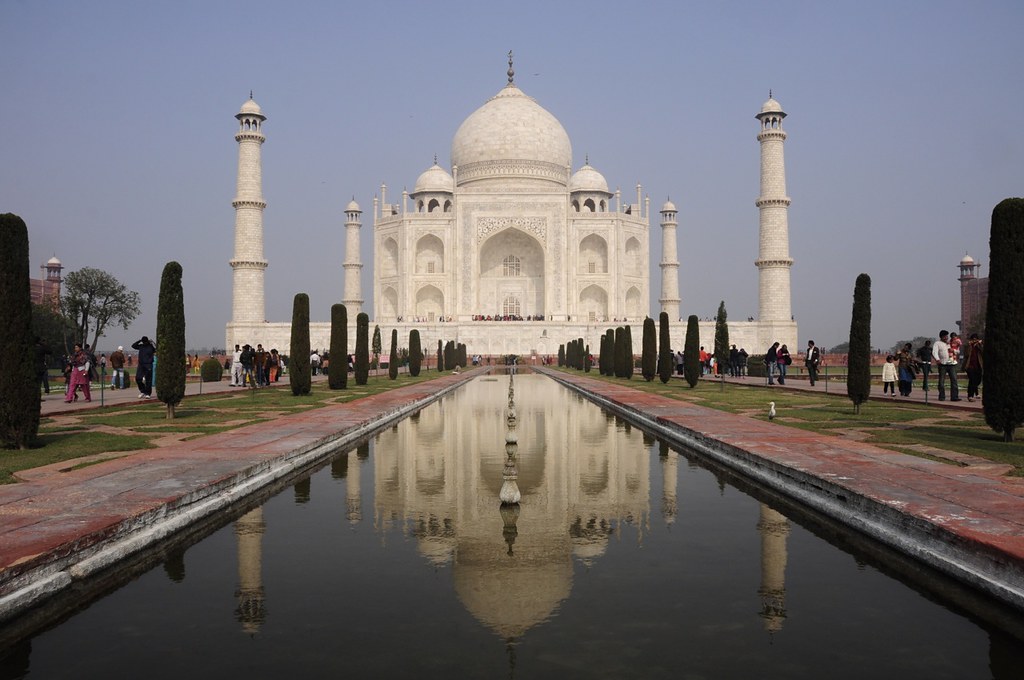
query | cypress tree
[649, 353]
[722, 340]
[337, 370]
[415, 353]
[170, 339]
[393, 357]
[610, 368]
[629, 359]
[691, 351]
[587, 359]
[440, 357]
[665, 358]
[619, 353]
[375, 347]
[19, 386]
[449, 355]
[300, 374]
[581, 355]
[460, 354]
[362, 361]
[858, 371]
[561, 355]
[1003, 401]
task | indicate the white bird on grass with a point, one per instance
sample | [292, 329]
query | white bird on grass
[771, 410]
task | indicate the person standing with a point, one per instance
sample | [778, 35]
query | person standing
[743, 362]
[889, 377]
[246, 359]
[771, 362]
[144, 372]
[117, 369]
[784, 359]
[79, 363]
[42, 369]
[924, 361]
[236, 367]
[947, 367]
[973, 365]
[906, 369]
[811, 361]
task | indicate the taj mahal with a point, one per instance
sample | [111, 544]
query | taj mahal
[509, 251]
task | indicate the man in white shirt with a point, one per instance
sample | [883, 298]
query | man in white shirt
[236, 367]
[947, 366]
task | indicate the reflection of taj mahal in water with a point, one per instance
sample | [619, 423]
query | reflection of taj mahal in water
[581, 477]
[511, 232]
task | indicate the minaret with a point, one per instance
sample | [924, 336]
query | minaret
[353, 299]
[970, 303]
[248, 264]
[773, 261]
[669, 262]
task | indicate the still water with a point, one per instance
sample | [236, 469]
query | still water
[624, 559]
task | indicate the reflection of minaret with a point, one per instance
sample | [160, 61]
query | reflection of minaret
[670, 480]
[773, 527]
[353, 501]
[249, 529]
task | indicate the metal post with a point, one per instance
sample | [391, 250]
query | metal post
[103, 381]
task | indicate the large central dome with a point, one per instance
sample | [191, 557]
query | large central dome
[511, 136]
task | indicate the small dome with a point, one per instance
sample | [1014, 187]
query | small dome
[251, 107]
[771, 106]
[352, 206]
[669, 207]
[435, 178]
[968, 260]
[53, 261]
[588, 179]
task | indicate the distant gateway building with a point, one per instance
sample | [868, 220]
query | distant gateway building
[510, 251]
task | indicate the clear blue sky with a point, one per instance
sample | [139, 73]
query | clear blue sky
[905, 129]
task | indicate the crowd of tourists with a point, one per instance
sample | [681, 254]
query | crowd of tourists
[255, 367]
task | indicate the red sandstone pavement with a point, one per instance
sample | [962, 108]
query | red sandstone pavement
[976, 509]
[50, 522]
[53, 520]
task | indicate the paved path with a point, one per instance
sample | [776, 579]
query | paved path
[967, 522]
[59, 527]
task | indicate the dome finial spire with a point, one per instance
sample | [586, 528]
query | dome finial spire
[250, 94]
[769, 93]
[586, 159]
[435, 159]
[511, 71]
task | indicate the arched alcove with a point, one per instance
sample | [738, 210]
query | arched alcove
[389, 258]
[593, 255]
[429, 303]
[633, 260]
[634, 309]
[594, 303]
[389, 303]
[429, 255]
[511, 264]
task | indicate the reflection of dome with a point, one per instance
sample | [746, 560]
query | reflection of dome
[438, 551]
[510, 596]
[512, 127]
[588, 179]
[771, 106]
[588, 550]
[434, 179]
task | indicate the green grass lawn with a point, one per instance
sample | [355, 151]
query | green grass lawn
[893, 425]
[87, 432]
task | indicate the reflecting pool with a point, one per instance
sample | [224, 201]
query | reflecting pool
[623, 559]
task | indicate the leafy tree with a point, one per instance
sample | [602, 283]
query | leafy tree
[300, 373]
[362, 361]
[858, 371]
[337, 370]
[918, 341]
[19, 388]
[691, 351]
[415, 353]
[170, 339]
[52, 328]
[722, 339]
[393, 357]
[92, 299]
[376, 347]
[665, 358]
[841, 348]
[649, 355]
[1003, 402]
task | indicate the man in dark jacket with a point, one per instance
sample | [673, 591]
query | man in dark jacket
[144, 372]
[771, 362]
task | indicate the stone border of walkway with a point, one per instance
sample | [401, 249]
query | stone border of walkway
[45, 555]
[960, 523]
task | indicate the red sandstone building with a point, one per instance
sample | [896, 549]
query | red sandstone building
[973, 297]
[47, 288]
